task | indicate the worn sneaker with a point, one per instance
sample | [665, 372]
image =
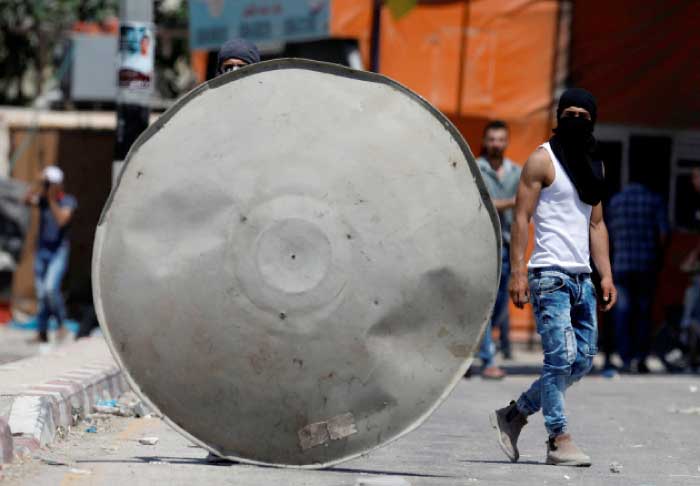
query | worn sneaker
[561, 451]
[508, 422]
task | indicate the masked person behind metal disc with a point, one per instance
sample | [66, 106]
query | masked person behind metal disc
[297, 263]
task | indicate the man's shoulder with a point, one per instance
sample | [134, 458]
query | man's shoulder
[539, 162]
[540, 155]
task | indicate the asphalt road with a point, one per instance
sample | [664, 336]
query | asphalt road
[14, 344]
[648, 426]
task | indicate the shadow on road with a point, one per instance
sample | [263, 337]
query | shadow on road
[384, 473]
[505, 462]
[205, 462]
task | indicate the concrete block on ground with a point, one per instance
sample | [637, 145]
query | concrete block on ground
[42, 396]
[6, 443]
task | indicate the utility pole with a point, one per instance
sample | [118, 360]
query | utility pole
[135, 75]
[375, 38]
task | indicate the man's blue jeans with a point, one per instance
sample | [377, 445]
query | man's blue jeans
[49, 268]
[500, 317]
[565, 311]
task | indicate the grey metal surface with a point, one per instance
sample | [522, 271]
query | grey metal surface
[297, 263]
[93, 67]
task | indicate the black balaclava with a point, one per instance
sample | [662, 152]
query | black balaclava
[239, 49]
[573, 144]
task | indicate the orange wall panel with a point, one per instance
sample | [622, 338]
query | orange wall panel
[422, 50]
[198, 61]
[503, 52]
[352, 19]
[510, 50]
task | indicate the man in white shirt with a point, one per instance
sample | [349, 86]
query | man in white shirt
[561, 187]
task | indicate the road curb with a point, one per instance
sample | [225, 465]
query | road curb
[41, 413]
[6, 443]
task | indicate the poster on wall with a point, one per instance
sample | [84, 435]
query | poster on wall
[136, 55]
[213, 22]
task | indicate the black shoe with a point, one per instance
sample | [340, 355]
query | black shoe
[642, 368]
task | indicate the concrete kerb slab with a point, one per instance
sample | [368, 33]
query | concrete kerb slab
[6, 442]
[36, 414]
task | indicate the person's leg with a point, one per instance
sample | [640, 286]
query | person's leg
[551, 298]
[530, 402]
[621, 316]
[43, 312]
[561, 449]
[55, 271]
[646, 287]
[487, 353]
[607, 341]
[501, 317]
[691, 300]
[585, 324]
[487, 348]
[691, 311]
[88, 322]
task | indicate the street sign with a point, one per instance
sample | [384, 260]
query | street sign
[213, 22]
[297, 263]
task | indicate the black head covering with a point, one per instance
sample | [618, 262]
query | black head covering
[239, 49]
[574, 145]
[578, 97]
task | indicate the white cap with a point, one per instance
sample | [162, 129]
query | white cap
[53, 174]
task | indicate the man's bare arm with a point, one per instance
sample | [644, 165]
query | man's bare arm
[61, 214]
[538, 172]
[600, 253]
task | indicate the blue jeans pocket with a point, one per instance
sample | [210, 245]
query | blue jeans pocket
[547, 284]
[570, 342]
[559, 346]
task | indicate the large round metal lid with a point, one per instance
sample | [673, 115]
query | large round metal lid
[297, 263]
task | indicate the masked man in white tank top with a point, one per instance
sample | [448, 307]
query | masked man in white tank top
[561, 188]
